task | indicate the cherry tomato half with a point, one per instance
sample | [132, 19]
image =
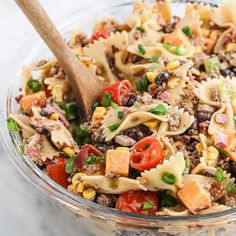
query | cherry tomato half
[118, 91]
[86, 151]
[55, 169]
[146, 154]
[100, 34]
[135, 203]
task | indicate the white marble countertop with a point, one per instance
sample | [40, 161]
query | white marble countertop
[24, 211]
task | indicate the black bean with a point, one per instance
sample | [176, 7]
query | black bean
[134, 133]
[46, 112]
[162, 78]
[130, 101]
[104, 149]
[191, 147]
[100, 139]
[203, 116]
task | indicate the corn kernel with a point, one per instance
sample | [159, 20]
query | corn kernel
[231, 46]
[89, 194]
[75, 178]
[151, 123]
[99, 112]
[72, 188]
[69, 151]
[173, 82]
[57, 93]
[122, 148]
[80, 188]
[54, 116]
[199, 147]
[173, 65]
[197, 49]
[213, 153]
[144, 17]
[151, 76]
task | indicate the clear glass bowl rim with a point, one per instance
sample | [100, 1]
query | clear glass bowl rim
[57, 193]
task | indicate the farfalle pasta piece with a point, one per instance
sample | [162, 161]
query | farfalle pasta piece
[201, 179]
[23, 122]
[103, 184]
[133, 119]
[168, 147]
[103, 47]
[185, 121]
[170, 212]
[152, 179]
[214, 208]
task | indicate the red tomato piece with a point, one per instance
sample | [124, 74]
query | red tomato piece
[118, 91]
[55, 169]
[135, 203]
[146, 154]
[100, 34]
[86, 151]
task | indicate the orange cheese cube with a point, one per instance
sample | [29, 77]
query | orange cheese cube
[33, 100]
[176, 38]
[117, 162]
[194, 197]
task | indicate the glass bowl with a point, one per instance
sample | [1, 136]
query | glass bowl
[99, 220]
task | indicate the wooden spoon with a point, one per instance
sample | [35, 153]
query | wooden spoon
[85, 84]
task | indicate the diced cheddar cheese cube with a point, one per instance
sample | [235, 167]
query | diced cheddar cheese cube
[151, 123]
[99, 112]
[122, 148]
[194, 197]
[231, 147]
[33, 100]
[117, 162]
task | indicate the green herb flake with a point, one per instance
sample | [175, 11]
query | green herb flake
[12, 125]
[168, 200]
[121, 115]
[142, 85]
[69, 168]
[136, 105]
[141, 49]
[148, 205]
[114, 127]
[166, 46]
[34, 85]
[159, 110]
[141, 29]
[70, 109]
[219, 177]
[81, 135]
[212, 66]
[180, 50]
[187, 30]
[95, 105]
[169, 178]
[230, 187]
[114, 105]
[107, 98]
[223, 152]
[153, 59]
[22, 149]
[92, 159]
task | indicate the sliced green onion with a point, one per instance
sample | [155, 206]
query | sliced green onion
[69, 168]
[95, 105]
[114, 105]
[219, 177]
[187, 30]
[230, 187]
[34, 85]
[187, 163]
[22, 149]
[148, 205]
[168, 201]
[70, 109]
[180, 50]
[159, 110]
[166, 46]
[90, 160]
[106, 99]
[141, 49]
[153, 59]
[136, 105]
[81, 135]
[141, 29]
[142, 85]
[114, 127]
[223, 152]
[169, 178]
[12, 125]
[121, 115]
